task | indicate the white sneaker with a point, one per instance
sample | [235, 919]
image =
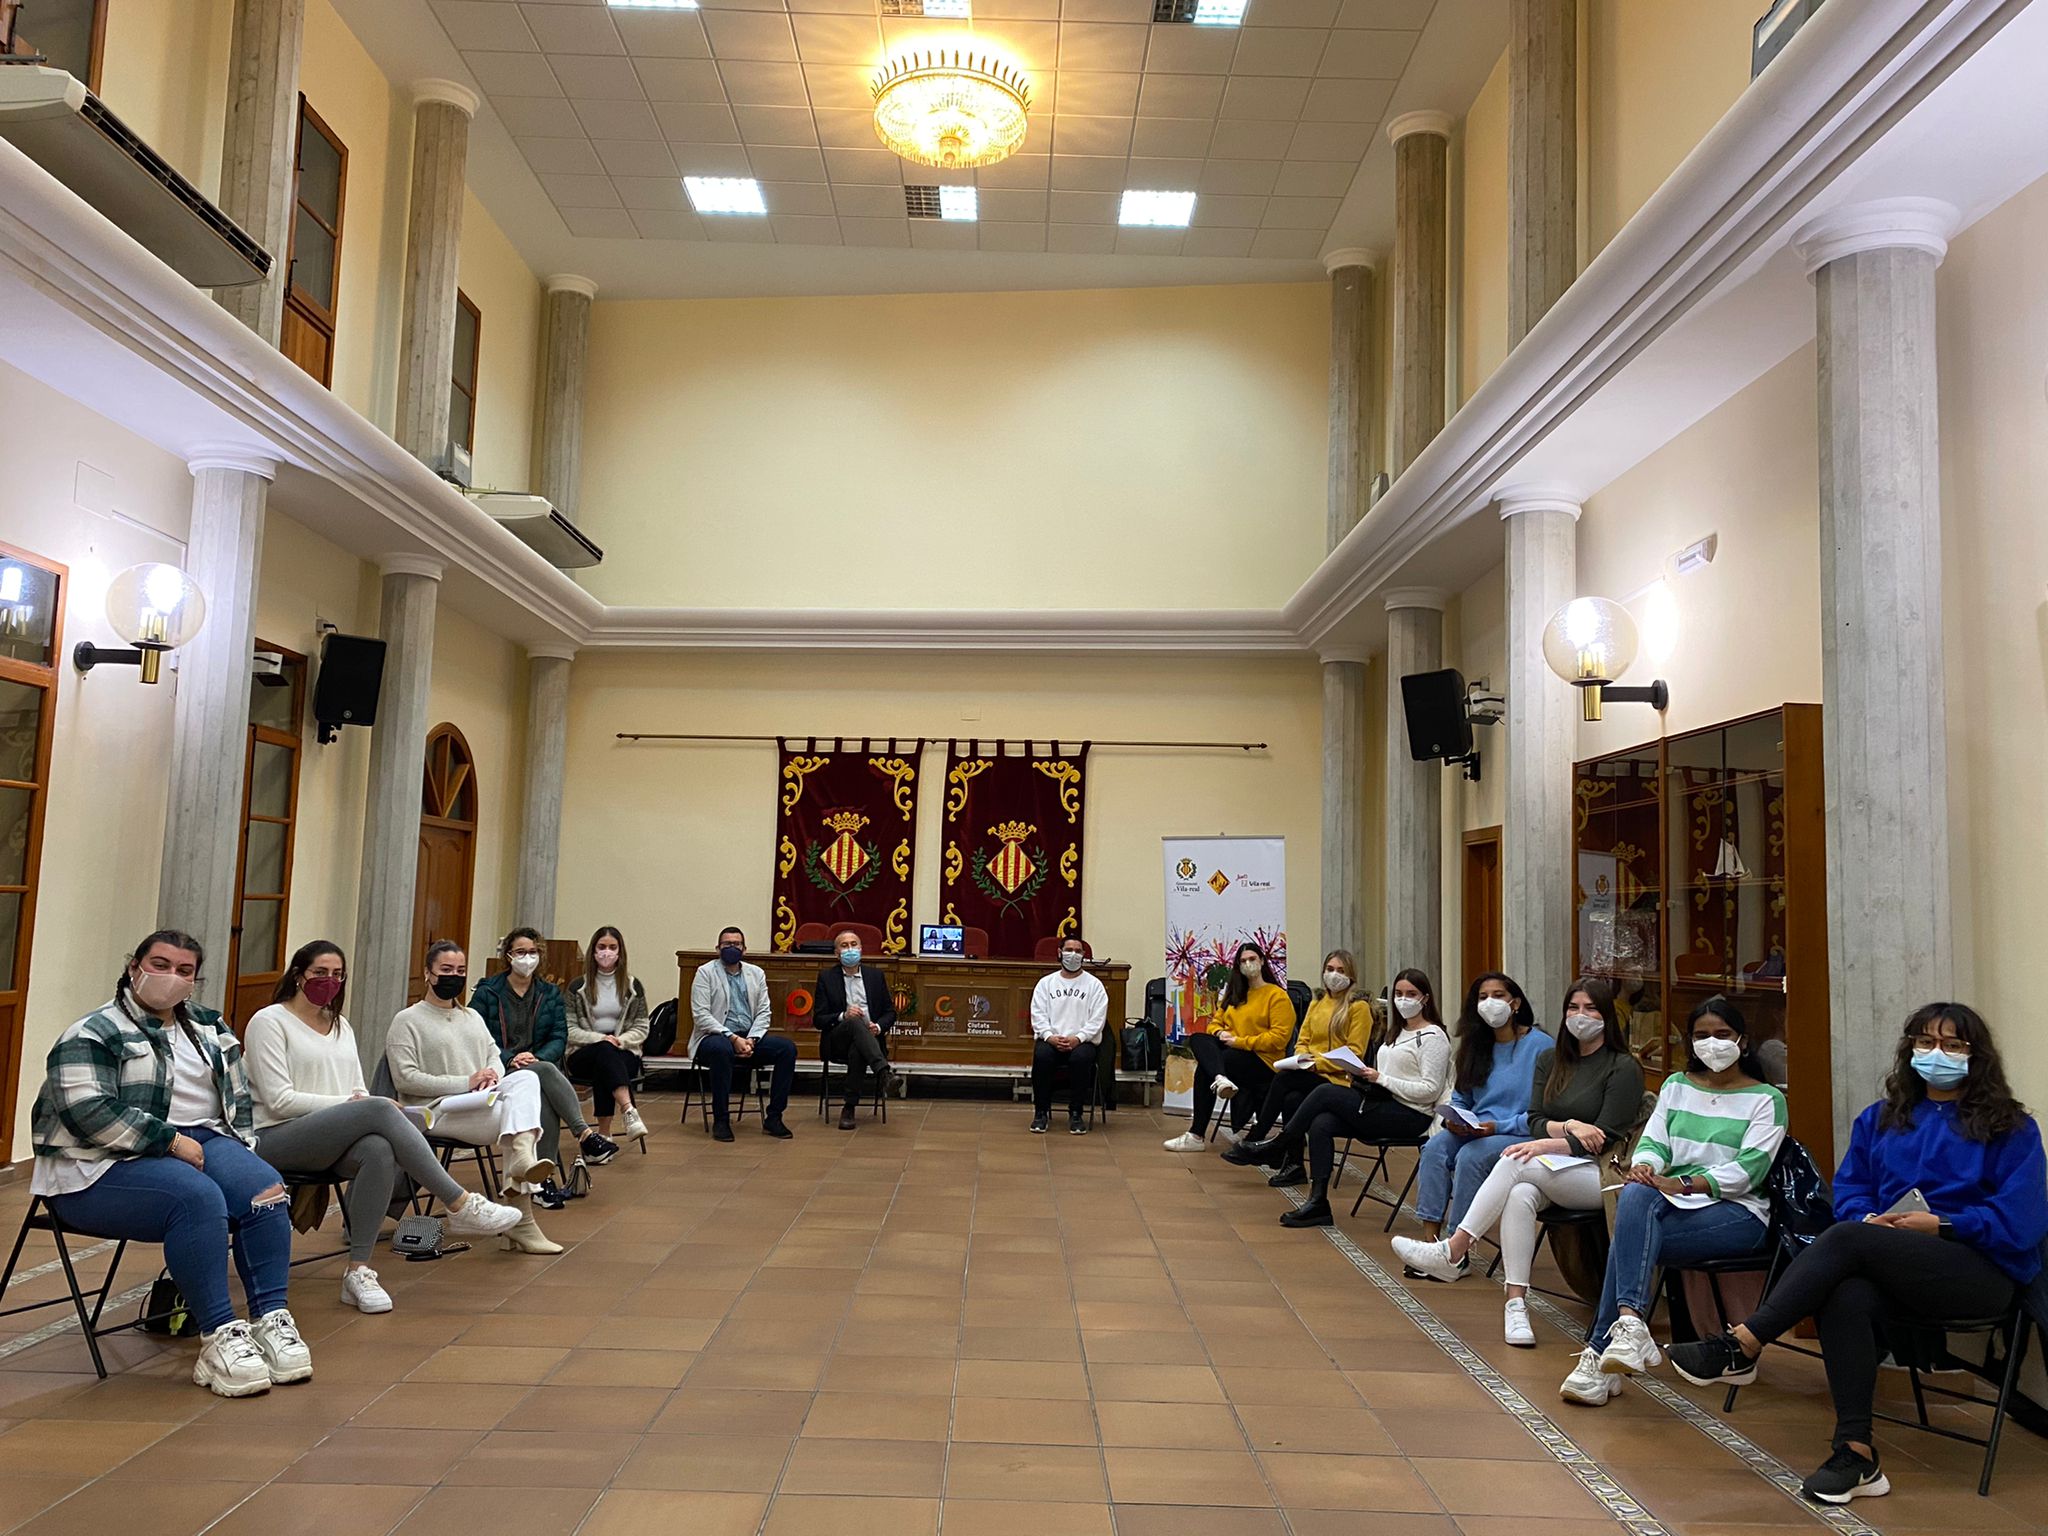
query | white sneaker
[634, 1125]
[1227, 1136]
[1186, 1141]
[284, 1352]
[1587, 1384]
[359, 1289]
[1223, 1087]
[1431, 1259]
[1517, 1328]
[230, 1363]
[1630, 1348]
[478, 1217]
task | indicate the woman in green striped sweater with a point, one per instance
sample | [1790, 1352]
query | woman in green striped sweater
[1694, 1191]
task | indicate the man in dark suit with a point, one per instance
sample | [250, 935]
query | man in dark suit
[854, 1009]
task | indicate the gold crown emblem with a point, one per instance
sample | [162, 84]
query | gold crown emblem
[1011, 831]
[846, 821]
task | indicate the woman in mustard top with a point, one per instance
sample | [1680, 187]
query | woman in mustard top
[1338, 1017]
[1234, 1060]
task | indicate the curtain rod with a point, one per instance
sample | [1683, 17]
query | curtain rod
[1234, 746]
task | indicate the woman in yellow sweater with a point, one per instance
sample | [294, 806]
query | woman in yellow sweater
[1339, 1016]
[1234, 1060]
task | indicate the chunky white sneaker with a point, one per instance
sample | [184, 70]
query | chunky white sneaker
[1516, 1327]
[1228, 1136]
[478, 1217]
[1431, 1259]
[1223, 1087]
[1587, 1384]
[230, 1363]
[1186, 1141]
[359, 1289]
[284, 1352]
[633, 1125]
[1630, 1348]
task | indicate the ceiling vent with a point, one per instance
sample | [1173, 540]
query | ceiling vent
[954, 10]
[1173, 10]
[536, 524]
[68, 131]
[921, 202]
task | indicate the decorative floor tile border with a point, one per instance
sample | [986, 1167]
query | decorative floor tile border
[64, 1324]
[23, 1276]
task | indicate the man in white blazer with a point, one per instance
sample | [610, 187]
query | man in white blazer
[729, 1018]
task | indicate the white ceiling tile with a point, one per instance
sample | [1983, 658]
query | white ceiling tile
[580, 191]
[874, 167]
[1184, 50]
[741, 5]
[737, 229]
[1365, 55]
[1102, 46]
[834, 7]
[1085, 94]
[764, 85]
[1162, 173]
[680, 80]
[488, 27]
[1017, 171]
[868, 202]
[1091, 136]
[1017, 10]
[711, 160]
[667, 224]
[1014, 207]
[1077, 173]
[1409, 14]
[586, 78]
[1215, 210]
[1149, 242]
[909, 31]
[808, 197]
[1306, 178]
[617, 119]
[911, 174]
[600, 223]
[1106, 10]
[883, 232]
[704, 123]
[1012, 237]
[1347, 142]
[1251, 141]
[652, 192]
[1081, 239]
[1279, 51]
[1288, 244]
[1300, 212]
[750, 35]
[636, 157]
[1180, 95]
[1264, 96]
[840, 87]
[1084, 207]
[1217, 242]
[792, 229]
[1291, 13]
[838, 39]
[845, 129]
[1347, 101]
[1172, 136]
[786, 163]
[536, 117]
[663, 34]
[569, 156]
[512, 74]
[941, 235]
[573, 28]
[1243, 177]
[1034, 44]
[777, 125]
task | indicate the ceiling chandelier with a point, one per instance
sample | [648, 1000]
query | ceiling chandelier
[951, 105]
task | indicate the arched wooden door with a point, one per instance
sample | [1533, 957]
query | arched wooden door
[446, 880]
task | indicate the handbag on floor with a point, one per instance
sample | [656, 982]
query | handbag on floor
[418, 1235]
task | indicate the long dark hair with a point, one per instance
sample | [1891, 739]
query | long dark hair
[1565, 1059]
[1475, 1035]
[1420, 981]
[621, 977]
[1987, 1108]
[175, 938]
[1721, 1008]
[1237, 989]
[292, 981]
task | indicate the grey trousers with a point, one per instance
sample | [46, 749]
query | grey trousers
[366, 1141]
[560, 1105]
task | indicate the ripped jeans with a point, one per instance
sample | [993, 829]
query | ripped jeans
[163, 1200]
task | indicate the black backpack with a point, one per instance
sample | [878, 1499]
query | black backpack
[661, 1030]
[1802, 1207]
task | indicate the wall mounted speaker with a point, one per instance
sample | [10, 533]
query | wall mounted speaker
[351, 677]
[1435, 706]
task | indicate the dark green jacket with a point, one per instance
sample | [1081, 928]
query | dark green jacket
[550, 1018]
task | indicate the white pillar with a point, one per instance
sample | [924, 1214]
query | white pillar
[564, 361]
[1352, 388]
[1884, 717]
[433, 260]
[1344, 802]
[258, 152]
[1414, 886]
[1422, 213]
[540, 824]
[1541, 729]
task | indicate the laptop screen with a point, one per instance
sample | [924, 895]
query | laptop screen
[941, 939]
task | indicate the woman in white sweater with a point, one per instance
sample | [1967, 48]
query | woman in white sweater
[313, 1115]
[438, 1051]
[607, 1019]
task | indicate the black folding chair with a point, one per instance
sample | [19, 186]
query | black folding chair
[1379, 1171]
[825, 1094]
[41, 1218]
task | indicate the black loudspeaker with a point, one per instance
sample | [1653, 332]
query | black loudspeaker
[351, 676]
[1435, 705]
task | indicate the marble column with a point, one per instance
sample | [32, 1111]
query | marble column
[1353, 384]
[1414, 884]
[1343, 806]
[383, 956]
[259, 149]
[540, 824]
[210, 715]
[558, 410]
[1541, 726]
[1543, 157]
[433, 254]
[1422, 211]
[1884, 726]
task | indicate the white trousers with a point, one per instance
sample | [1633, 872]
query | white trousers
[1512, 1195]
[517, 1109]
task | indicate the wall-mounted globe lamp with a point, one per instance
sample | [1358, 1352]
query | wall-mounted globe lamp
[155, 608]
[1589, 642]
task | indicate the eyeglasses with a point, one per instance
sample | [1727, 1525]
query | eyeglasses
[1948, 1047]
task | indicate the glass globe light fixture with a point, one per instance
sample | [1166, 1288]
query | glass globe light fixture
[155, 608]
[1591, 641]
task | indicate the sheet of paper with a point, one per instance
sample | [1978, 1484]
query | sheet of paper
[1557, 1162]
[456, 1103]
[1299, 1063]
[1449, 1111]
[1344, 1056]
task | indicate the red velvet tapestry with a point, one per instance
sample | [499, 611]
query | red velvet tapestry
[845, 835]
[1012, 833]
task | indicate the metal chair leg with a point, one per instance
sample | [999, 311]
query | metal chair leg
[88, 1323]
[1402, 1198]
[2015, 1357]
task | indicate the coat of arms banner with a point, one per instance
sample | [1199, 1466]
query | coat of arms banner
[845, 838]
[1012, 842]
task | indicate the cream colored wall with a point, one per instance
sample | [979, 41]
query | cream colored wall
[1482, 259]
[1138, 448]
[164, 74]
[504, 289]
[480, 688]
[671, 841]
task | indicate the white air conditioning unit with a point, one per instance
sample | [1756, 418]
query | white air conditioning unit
[58, 123]
[536, 524]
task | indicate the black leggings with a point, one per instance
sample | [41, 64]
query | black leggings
[1855, 1276]
[1334, 1110]
[1214, 1059]
[607, 1068]
[1283, 1098]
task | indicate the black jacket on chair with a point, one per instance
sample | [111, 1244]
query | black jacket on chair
[830, 1006]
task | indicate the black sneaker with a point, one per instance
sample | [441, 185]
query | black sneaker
[598, 1149]
[1040, 1124]
[1076, 1126]
[777, 1129]
[722, 1131]
[1293, 1173]
[550, 1196]
[1716, 1360]
[1845, 1476]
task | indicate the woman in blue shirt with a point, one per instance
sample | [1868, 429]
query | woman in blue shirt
[1950, 1130]
[1498, 1044]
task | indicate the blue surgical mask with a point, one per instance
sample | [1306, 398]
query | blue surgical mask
[849, 956]
[1940, 1069]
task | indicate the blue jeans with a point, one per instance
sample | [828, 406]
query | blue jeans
[720, 1061]
[1650, 1231]
[163, 1200]
[1452, 1171]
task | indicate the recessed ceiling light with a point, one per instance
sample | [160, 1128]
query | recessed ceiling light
[958, 204]
[1162, 210]
[725, 194]
[1219, 13]
[653, 5]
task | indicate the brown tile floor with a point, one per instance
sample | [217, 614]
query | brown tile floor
[944, 1325]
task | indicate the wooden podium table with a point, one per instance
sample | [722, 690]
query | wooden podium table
[949, 1012]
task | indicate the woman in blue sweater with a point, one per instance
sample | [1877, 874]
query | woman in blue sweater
[1949, 1129]
[1498, 1044]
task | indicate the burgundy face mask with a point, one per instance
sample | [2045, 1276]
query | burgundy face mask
[321, 991]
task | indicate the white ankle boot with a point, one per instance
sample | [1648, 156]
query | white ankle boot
[523, 1163]
[527, 1237]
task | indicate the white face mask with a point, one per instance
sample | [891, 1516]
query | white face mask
[1717, 1055]
[1335, 981]
[1408, 1007]
[607, 958]
[1495, 1011]
[1585, 1026]
[1252, 966]
[1072, 959]
[525, 965]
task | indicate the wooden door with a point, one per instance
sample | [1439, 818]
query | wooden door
[1483, 933]
[445, 880]
[260, 940]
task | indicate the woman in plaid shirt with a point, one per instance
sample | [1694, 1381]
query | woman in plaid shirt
[143, 1132]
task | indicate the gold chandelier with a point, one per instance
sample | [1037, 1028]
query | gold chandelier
[951, 105]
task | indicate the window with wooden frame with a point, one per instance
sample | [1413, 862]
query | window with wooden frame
[71, 34]
[31, 640]
[270, 806]
[462, 386]
[313, 267]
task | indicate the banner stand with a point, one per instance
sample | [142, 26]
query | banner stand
[1221, 891]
